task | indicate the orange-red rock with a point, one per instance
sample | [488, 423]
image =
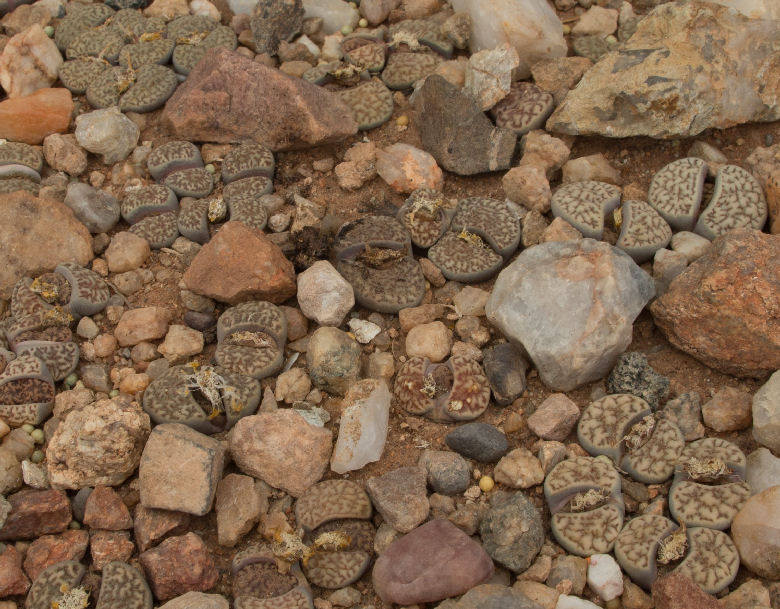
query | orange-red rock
[12, 578]
[50, 549]
[31, 118]
[179, 565]
[35, 513]
[104, 510]
[241, 263]
[108, 546]
[676, 591]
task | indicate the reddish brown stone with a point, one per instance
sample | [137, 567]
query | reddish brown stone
[150, 525]
[31, 118]
[676, 591]
[230, 98]
[724, 309]
[240, 263]
[12, 578]
[50, 549]
[179, 565]
[106, 546]
[105, 510]
[36, 513]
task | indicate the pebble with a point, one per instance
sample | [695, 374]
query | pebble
[766, 414]
[569, 568]
[31, 118]
[506, 369]
[750, 594]
[756, 533]
[324, 295]
[399, 496]
[597, 21]
[528, 186]
[363, 428]
[604, 576]
[179, 565]
[63, 153]
[519, 469]
[550, 454]
[432, 340]
[104, 344]
[448, 472]
[10, 472]
[471, 301]
[555, 418]
[417, 316]
[29, 62]
[763, 470]
[690, 245]
[512, 532]
[142, 324]
[677, 590]
[489, 74]
[566, 601]
[667, 265]
[479, 441]
[36, 513]
[108, 133]
[333, 360]
[181, 343]
[240, 503]
[633, 374]
[729, 409]
[126, 252]
[406, 168]
[593, 167]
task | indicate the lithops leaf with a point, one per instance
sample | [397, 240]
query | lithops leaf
[371, 104]
[465, 257]
[247, 190]
[157, 51]
[148, 201]
[675, 191]
[153, 85]
[654, 461]
[89, 293]
[643, 231]
[606, 421]
[194, 221]
[173, 156]
[258, 583]
[248, 210]
[61, 358]
[103, 43]
[18, 153]
[578, 475]
[334, 568]
[637, 545]
[370, 56]
[331, 500]
[80, 18]
[405, 69]
[712, 561]
[424, 31]
[492, 220]
[160, 230]
[426, 215]
[122, 585]
[26, 391]
[195, 182]
[584, 205]
[247, 161]
[189, 50]
[55, 581]
[526, 107]
[587, 533]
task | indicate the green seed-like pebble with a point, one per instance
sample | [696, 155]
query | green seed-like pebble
[49, 31]
[566, 29]
[37, 435]
[37, 456]
[363, 23]
[113, 393]
[611, 40]
[28, 428]
[71, 379]
[346, 30]
[210, 168]
[74, 524]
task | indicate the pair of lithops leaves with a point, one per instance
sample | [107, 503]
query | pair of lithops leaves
[468, 243]
[251, 337]
[455, 390]
[20, 167]
[122, 585]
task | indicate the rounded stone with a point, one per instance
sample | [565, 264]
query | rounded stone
[431, 340]
[756, 533]
[126, 252]
[96, 209]
[333, 360]
[479, 441]
[324, 295]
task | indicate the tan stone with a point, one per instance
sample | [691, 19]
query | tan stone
[29, 62]
[31, 118]
[138, 325]
[560, 230]
[239, 506]
[528, 186]
[432, 340]
[519, 469]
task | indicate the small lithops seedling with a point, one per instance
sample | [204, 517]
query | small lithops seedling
[18, 153]
[524, 109]
[584, 498]
[258, 583]
[247, 161]
[426, 215]
[251, 338]
[77, 74]
[420, 31]
[373, 255]
[622, 427]
[331, 500]
[676, 190]
[456, 390]
[148, 201]
[709, 487]
[369, 56]
[341, 552]
[405, 69]
[643, 231]
[171, 157]
[79, 19]
[592, 47]
[26, 391]
[371, 104]
[157, 51]
[195, 182]
[465, 257]
[193, 221]
[160, 230]
[737, 202]
[190, 49]
[55, 582]
[585, 204]
[122, 585]
[208, 399]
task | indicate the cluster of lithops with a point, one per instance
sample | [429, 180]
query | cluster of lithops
[194, 35]
[335, 517]
[247, 172]
[585, 204]
[586, 504]
[179, 166]
[151, 212]
[250, 339]
[456, 390]
[20, 167]
[258, 583]
[207, 398]
[26, 391]
[374, 255]
[624, 428]
[525, 108]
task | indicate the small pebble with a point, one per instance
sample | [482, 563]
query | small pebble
[486, 484]
[37, 456]
[71, 379]
[210, 168]
[363, 23]
[346, 30]
[27, 428]
[49, 31]
[113, 393]
[402, 121]
[37, 435]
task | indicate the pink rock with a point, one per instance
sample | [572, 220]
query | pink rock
[12, 578]
[406, 168]
[138, 325]
[433, 562]
[151, 525]
[31, 118]
[29, 62]
[108, 546]
[241, 263]
[104, 509]
[179, 565]
[676, 590]
[230, 98]
[50, 549]
[35, 513]
[555, 418]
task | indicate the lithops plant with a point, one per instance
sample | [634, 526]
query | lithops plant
[492, 220]
[18, 153]
[80, 18]
[247, 190]
[54, 583]
[194, 35]
[367, 54]
[623, 427]
[737, 202]
[60, 357]
[195, 182]
[207, 398]
[650, 543]
[160, 230]
[335, 514]
[371, 104]
[122, 585]
[709, 485]
[247, 161]
[675, 192]
[586, 505]
[248, 211]
[585, 204]
[105, 43]
[193, 221]
[405, 69]
[339, 72]
[456, 390]
[420, 31]
[427, 215]
[374, 255]
[526, 107]
[89, 293]
[26, 391]
[141, 90]
[642, 230]
[250, 339]
[258, 583]
[171, 157]
[77, 74]
[45, 294]
[20, 167]
[148, 201]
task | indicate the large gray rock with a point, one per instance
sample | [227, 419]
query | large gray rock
[690, 66]
[571, 306]
[766, 414]
[96, 209]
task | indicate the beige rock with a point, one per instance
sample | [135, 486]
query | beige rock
[406, 168]
[592, 167]
[559, 75]
[25, 15]
[333, 360]
[167, 9]
[542, 149]
[534, 225]
[29, 62]
[539, 593]
[597, 21]
[351, 175]
[453, 71]
[181, 343]
[528, 186]
[555, 418]
[240, 504]
[756, 532]
[729, 409]
[431, 340]
[134, 383]
[126, 252]
[324, 295]
[471, 301]
[415, 316]
[63, 153]
[751, 594]
[519, 469]
[146, 323]
[292, 385]
[197, 600]
[381, 364]
[560, 230]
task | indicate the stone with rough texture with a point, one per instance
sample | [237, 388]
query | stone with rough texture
[197, 600]
[724, 308]
[530, 26]
[31, 118]
[729, 409]
[597, 21]
[282, 449]
[559, 75]
[179, 565]
[751, 594]
[571, 306]
[333, 360]
[431, 340]
[181, 343]
[25, 223]
[677, 590]
[108, 546]
[143, 324]
[96, 209]
[448, 472]
[492, 596]
[239, 507]
[604, 576]
[489, 74]
[400, 497]
[241, 263]
[555, 418]
[98, 444]
[150, 525]
[480, 441]
[10, 472]
[50, 549]
[334, 14]
[406, 168]
[108, 133]
[512, 531]
[36, 513]
[685, 412]
[104, 509]
[12, 578]
[766, 414]
[688, 44]
[324, 295]
[763, 470]
[528, 186]
[63, 153]
[431, 563]
[180, 469]
[457, 133]
[519, 469]
[756, 533]
[229, 98]
[126, 252]
[29, 62]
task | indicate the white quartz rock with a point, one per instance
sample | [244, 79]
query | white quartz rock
[335, 14]
[363, 428]
[604, 576]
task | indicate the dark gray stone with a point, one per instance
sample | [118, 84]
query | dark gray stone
[457, 133]
[478, 441]
[572, 568]
[274, 22]
[448, 472]
[632, 374]
[505, 368]
[512, 531]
